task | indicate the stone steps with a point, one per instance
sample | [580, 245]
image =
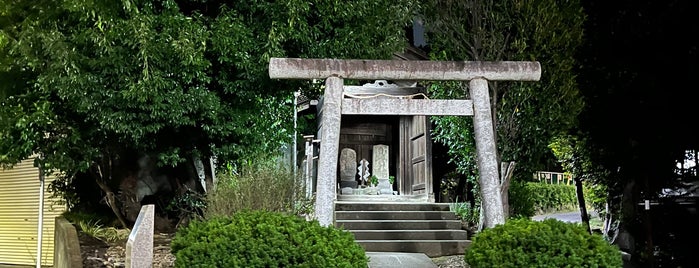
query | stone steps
[394, 226]
[395, 215]
[398, 224]
[390, 206]
[431, 248]
[409, 235]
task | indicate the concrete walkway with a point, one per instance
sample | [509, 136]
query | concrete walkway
[399, 259]
[573, 216]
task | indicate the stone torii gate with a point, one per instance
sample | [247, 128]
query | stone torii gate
[478, 73]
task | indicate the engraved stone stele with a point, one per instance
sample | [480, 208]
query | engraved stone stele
[139, 246]
[380, 157]
[348, 164]
[380, 161]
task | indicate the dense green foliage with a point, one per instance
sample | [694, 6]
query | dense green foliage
[575, 158]
[173, 77]
[527, 114]
[90, 85]
[550, 243]
[265, 239]
[257, 186]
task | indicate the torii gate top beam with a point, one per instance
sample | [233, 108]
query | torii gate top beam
[296, 68]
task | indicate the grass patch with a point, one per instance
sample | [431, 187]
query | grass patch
[261, 186]
[106, 234]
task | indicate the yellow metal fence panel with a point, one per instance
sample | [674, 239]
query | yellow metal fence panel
[19, 207]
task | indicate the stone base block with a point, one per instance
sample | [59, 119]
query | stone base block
[350, 184]
[346, 191]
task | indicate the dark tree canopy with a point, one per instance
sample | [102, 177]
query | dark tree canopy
[82, 80]
[89, 85]
[638, 76]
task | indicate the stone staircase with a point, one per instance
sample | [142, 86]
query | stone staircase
[393, 226]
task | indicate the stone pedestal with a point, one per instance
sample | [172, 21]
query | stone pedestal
[385, 187]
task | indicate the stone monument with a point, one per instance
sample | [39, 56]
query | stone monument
[380, 157]
[348, 164]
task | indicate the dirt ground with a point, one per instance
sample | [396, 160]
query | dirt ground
[455, 261]
[99, 254]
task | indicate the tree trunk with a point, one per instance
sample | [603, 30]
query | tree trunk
[111, 202]
[506, 172]
[581, 203]
[110, 197]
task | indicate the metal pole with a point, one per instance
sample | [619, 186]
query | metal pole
[41, 215]
[293, 151]
[309, 166]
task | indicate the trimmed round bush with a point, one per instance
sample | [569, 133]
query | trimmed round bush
[265, 239]
[549, 243]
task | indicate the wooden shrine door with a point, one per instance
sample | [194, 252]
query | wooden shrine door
[416, 152]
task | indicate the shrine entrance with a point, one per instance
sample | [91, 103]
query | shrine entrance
[406, 137]
[336, 103]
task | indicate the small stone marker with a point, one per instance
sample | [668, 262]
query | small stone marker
[139, 246]
[380, 157]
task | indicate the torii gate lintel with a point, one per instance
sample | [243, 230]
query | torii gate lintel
[296, 68]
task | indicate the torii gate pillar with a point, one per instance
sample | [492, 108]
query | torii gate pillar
[478, 73]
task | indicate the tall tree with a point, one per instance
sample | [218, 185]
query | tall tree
[527, 115]
[638, 73]
[85, 81]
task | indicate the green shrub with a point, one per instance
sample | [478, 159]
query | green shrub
[549, 243]
[265, 239]
[521, 200]
[552, 197]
